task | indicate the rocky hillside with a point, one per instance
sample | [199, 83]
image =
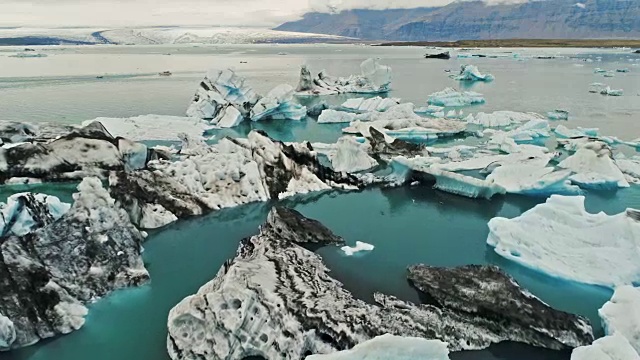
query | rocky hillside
[476, 20]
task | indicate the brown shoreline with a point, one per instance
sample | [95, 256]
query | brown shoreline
[515, 43]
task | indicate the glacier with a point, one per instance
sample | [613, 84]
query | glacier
[218, 91]
[390, 347]
[560, 238]
[472, 73]
[450, 97]
[278, 105]
[374, 79]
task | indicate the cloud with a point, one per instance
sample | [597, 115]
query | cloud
[129, 13]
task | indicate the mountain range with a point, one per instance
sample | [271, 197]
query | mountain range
[471, 20]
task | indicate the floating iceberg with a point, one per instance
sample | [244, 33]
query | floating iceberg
[611, 92]
[621, 315]
[471, 73]
[375, 79]
[449, 97]
[151, 127]
[501, 118]
[560, 238]
[562, 131]
[629, 166]
[371, 104]
[351, 156]
[623, 70]
[594, 168]
[532, 130]
[360, 246]
[558, 114]
[533, 180]
[218, 91]
[390, 347]
[278, 105]
[615, 347]
[20, 215]
[429, 110]
[335, 116]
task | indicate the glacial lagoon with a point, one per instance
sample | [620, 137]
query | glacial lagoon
[406, 225]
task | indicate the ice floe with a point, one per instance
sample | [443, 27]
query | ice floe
[611, 92]
[562, 131]
[278, 105]
[359, 247]
[388, 347]
[560, 238]
[621, 315]
[151, 127]
[501, 118]
[450, 97]
[374, 79]
[558, 114]
[218, 91]
[369, 104]
[594, 167]
[25, 212]
[351, 156]
[472, 73]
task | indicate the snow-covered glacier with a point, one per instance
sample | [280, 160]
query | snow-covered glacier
[560, 238]
[374, 79]
[501, 118]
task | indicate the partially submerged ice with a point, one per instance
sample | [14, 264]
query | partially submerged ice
[450, 97]
[390, 347]
[25, 212]
[594, 167]
[558, 114]
[352, 156]
[614, 347]
[277, 300]
[611, 92]
[369, 104]
[63, 262]
[472, 73]
[501, 118]
[359, 247]
[151, 127]
[230, 173]
[223, 99]
[561, 239]
[278, 105]
[335, 116]
[374, 79]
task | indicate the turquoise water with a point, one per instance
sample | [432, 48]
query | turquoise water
[406, 225]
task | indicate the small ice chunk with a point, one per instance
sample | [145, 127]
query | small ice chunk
[360, 246]
[391, 347]
[7, 332]
[278, 104]
[611, 92]
[562, 131]
[151, 127]
[560, 238]
[558, 114]
[472, 73]
[450, 97]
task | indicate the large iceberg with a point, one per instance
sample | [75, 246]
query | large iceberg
[64, 262]
[278, 104]
[218, 91]
[335, 116]
[369, 104]
[374, 79]
[390, 347]
[450, 97]
[614, 347]
[621, 315]
[533, 179]
[472, 73]
[277, 299]
[501, 118]
[562, 131]
[151, 127]
[562, 239]
[530, 131]
[351, 156]
[594, 168]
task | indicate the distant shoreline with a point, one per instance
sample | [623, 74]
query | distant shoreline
[516, 43]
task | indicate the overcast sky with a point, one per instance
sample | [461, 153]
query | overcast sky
[48, 13]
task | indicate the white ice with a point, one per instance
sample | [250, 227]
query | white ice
[371, 104]
[560, 238]
[151, 127]
[390, 347]
[450, 97]
[614, 347]
[501, 118]
[621, 315]
[593, 167]
[558, 114]
[611, 92]
[278, 105]
[335, 116]
[472, 73]
[351, 156]
[359, 247]
[562, 131]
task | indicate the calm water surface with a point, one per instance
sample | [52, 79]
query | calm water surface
[406, 225]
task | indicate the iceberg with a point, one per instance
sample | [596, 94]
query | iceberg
[219, 90]
[429, 110]
[335, 116]
[594, 168]
[614, 347]
[621, 315]
[629, 166]
[25, 212]
[611, 92]
[360, 246]
[278, 105]
[390, 347]
[151, 127]
[449, 97]
[471, 73]
[464, 185]
[558, 114]
[562, 131]
[7, 332]
[351, 156]
[374, 79]
[533, 180]
[501, 118]
[560, 238]
[532, 130]
[371, 104]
